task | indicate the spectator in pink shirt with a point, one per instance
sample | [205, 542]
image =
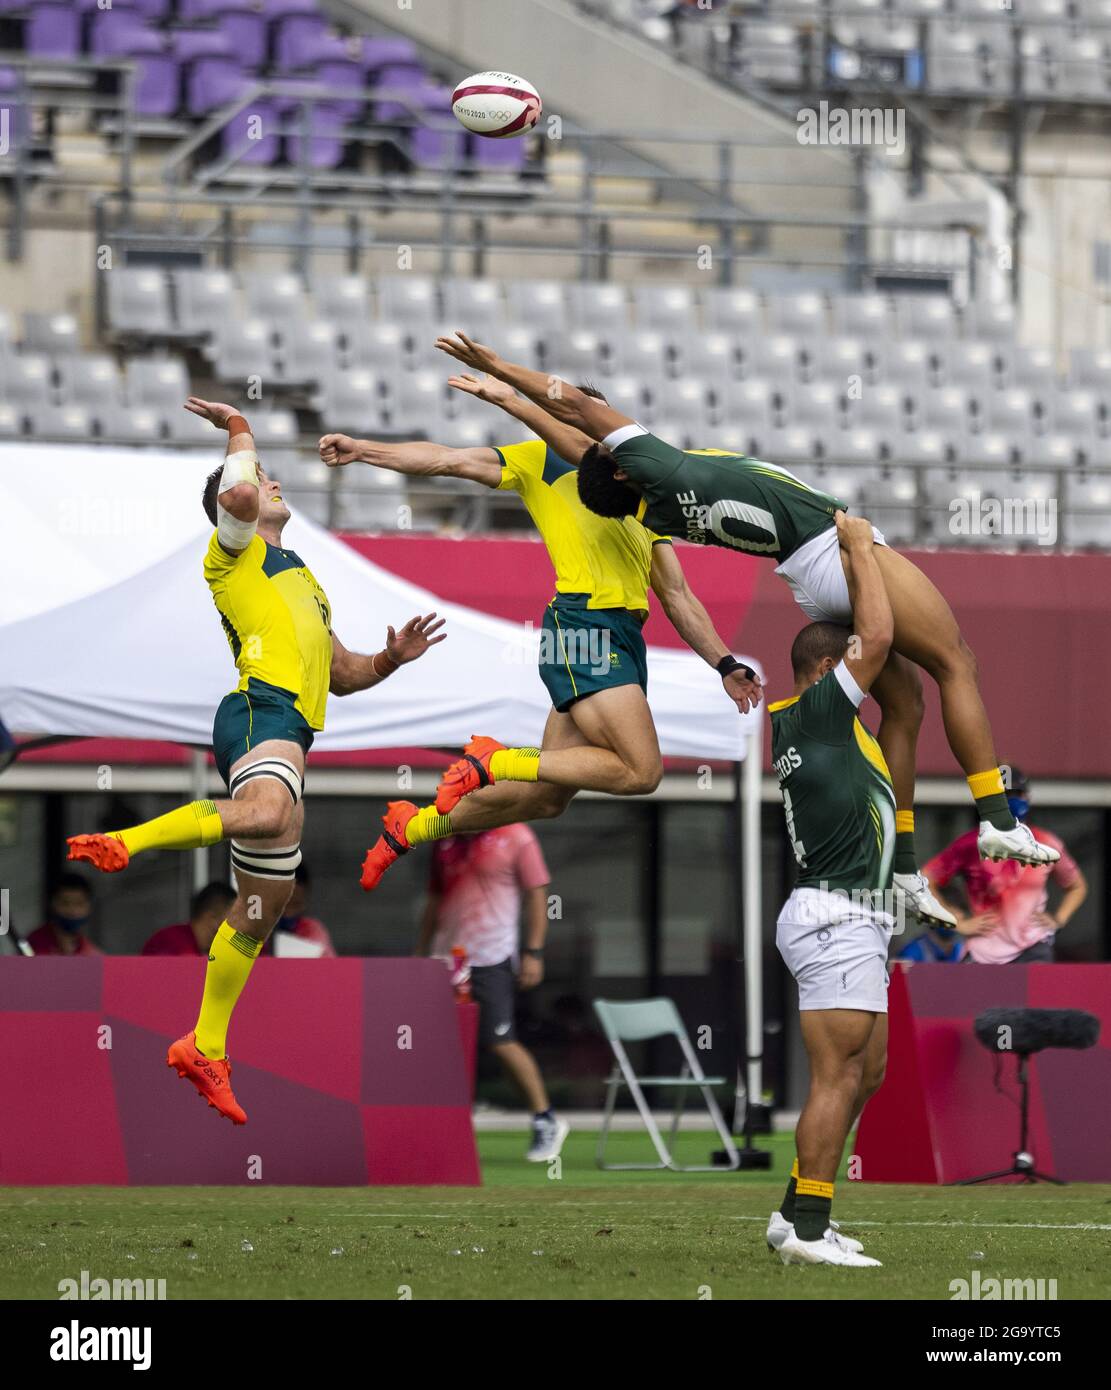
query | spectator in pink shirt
[1009, 922]
[207, 910]
[297, 922]
[63, 932]
[477, 888]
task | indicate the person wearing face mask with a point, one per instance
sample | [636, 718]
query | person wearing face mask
[1009, 922]
[63, 932]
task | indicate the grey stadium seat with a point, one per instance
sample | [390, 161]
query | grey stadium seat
[856, 446]
[971, 366]
[991, 321]
[905, 363]
[747, 408]
[410, 300]
[1052, 451]
[62, 422]
[1088, 520]
[274, 429]
[376, 343]
[988, 448]
[475, 306]
[600, 306]
[91, 379]
[275, 298]
[817, 405]
[203, 300]
[574, 354]
[416, 397]
[778, 357]
[351, 401]
[639, 352]
[687, 402]
[668, 308]
[308, 354]
[866, 316]
[129, 424]
[183, 427]
[1034, 368]
[879, 408]
[889, 500]
[790, 445]
[625, 393]
[711, 356]
[801, 314]
[345, 299]
[730, 310]
[948, 410]
[1091, 367]
[138, 302]
[930, 316]
[923, 447]
[25, 381]
[841, 481]
[541, 304]
[1011, 411]
[837, 359]
[241, 349]
[11, 421]
[56, 334]
[1077, 413]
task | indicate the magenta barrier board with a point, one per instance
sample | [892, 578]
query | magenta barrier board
[938, 1116]
[351, 1072]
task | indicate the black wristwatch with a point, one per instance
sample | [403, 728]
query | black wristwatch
[728, 664]
[537, 951]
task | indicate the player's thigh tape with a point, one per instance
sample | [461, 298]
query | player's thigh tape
[280, 768]
[265, 863]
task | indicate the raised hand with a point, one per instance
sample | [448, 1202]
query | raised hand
[414, 639]
[487, 388]
[475, 355]
[338, 449]
[744, 693]
[215, 412]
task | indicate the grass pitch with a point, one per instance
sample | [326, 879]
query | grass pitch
[525, 1235]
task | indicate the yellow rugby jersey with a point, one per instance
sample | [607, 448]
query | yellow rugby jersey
[605, 557]
[277, 620]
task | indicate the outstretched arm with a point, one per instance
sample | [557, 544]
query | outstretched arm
[559, 398]
[695, 626]
[352, 671]
[420, 458]
[568, 441]
[237, 500]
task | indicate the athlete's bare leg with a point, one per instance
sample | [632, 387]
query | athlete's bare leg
[898, 692]
[510, 802]
[926, 632]
[836, 1043]
[622, 753]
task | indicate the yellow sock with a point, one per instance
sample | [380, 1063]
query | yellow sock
[187, 827]
[427, 825]
[230, 958]
[515, 765]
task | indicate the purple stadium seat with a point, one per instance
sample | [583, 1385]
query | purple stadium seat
[403, 79]
[385, 53]
[213, 82]
[52, 31]
[249, 35]
[326, 145]
[239, 137]
[124, 35]
[191, 44]
[345, 77]
[439, 148]
[91, 6]
[277, 9]
[290, 36]
[498, 156]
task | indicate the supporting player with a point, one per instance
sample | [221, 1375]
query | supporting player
[600, 734]
[278, 623]
[712, 497]
[834, 929]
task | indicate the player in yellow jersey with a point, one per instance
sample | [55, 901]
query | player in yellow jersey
[599, 734]
[279, 625]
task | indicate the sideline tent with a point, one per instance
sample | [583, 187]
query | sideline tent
[108, 630]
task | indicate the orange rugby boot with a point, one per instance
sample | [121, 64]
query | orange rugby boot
[107, 853]
[468, 773]
[390, 845]
[210, 1075]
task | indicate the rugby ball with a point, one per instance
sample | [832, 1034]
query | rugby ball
[496, 104]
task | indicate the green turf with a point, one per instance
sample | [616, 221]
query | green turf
[525, 1234]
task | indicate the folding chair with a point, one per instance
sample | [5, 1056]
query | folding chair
[636, 1022]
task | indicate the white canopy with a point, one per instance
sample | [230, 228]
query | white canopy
[107, 628]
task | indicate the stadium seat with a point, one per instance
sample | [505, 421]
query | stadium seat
[308, 353]
[711, 356]
[467, 431]
[90, 379]
[639, 352]
[734, 311]
[890, 497]
[790, 445]
[803, 315]
[748, 409]
[1052, 451]
[25, 381]
[865, 316]
[202, 300]
[351, 401]
[971, 365]
[923, 447]
[948, 410]
[56, 334]
[990, 321]
[574, 354]
[409, 300]
[780, 358]
[1088, 520]
[904, 363]
[344, 299]
[124, 424]
[837, 359]
[273, 429]
[1077, 413]
[930, 316]
[989, 448]
[688, 404]
[626, 394]
[879, 408]
[277, 298]
[475, 306]
[600, 306]
[375, 343]
[1012, 411]
[138, 302]
[183, 427]
[1091, 367]
[416, 399]
[1033, 368]
[856, 446]
[815, 405]
[539, 303]
[241, 349]
[840, 480]
[68, 422]
[665, 308]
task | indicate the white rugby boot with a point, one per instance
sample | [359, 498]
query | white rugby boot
[779, 1228]
[1018, 844]
[916, 889]
[830, 1250]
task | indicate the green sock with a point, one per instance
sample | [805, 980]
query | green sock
[787, 1210]
[991, 798]
[813, 1203]
[906, 860]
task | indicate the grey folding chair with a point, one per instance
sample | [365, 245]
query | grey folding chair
[637, 1021]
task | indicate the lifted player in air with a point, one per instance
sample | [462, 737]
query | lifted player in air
[278, 622]
[599, 734]
[712, 497]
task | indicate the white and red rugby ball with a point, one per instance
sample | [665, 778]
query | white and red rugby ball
[496, 104]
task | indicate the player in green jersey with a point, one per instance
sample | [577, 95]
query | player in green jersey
[712, 497]
[834, 929]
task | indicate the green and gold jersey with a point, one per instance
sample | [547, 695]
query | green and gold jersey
[712, 497]
[606, 558]
[277, 620]
[837, 792]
